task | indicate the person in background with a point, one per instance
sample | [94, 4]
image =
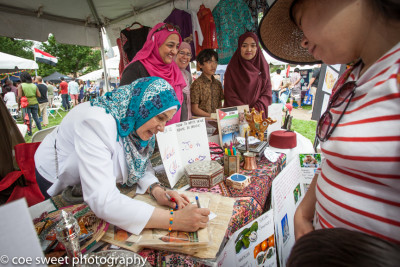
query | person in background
[358, 184]
[118, 130]
[156, 58]
[81, 91]
[30, 90]
[182, 60]
[50, 93]
[277, 85]
[73, 90]
[9, 97]
[102, 84]
[64, 94]
[14, 89]
[295, 80]
[314, 85]
[206, 92]
[42, 100]
[247, 80]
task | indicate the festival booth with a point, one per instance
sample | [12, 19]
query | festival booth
[55, 77]
[11, 66]
[250, 223]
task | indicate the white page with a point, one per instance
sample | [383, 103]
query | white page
[19, 241]
[170, 153]
[275, 113]
[287, 193]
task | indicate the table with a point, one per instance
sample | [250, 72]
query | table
[250, 203]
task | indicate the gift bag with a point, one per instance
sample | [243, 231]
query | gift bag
[307, 98]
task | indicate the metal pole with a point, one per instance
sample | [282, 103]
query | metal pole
[104, 61]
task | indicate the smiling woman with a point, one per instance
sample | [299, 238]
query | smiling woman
[109, 141]
[156, 58]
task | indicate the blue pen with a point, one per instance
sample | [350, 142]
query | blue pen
[234, 151]
[198, 202]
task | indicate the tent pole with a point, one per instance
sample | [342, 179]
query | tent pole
[104, 60]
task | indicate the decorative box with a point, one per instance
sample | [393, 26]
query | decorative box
[206, 173]
[231, 164]
[238, 181]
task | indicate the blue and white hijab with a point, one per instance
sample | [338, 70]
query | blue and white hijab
[132, 106]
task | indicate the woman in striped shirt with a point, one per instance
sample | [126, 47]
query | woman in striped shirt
[358, 187]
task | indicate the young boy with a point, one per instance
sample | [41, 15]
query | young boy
[358, 187]
[206, 92]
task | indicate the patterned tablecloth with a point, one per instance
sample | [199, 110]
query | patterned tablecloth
[250, 204]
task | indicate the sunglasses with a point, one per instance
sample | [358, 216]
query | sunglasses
[345, 94]
[168, 27]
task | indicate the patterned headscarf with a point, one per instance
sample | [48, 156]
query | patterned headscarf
[132, 106]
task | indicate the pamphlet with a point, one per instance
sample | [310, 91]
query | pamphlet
[228, 124]
[181, 144]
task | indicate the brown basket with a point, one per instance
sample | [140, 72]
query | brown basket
[97, 225]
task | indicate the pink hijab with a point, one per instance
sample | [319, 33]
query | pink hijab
[155, 66]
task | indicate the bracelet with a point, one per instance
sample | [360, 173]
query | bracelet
[151, 187]
[171, 220]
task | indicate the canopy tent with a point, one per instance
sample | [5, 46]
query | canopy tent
[96, 75]
[272, 60]
[55, 77]
[84, 22]
[10, 63]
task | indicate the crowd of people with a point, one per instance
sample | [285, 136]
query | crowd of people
[356, 186]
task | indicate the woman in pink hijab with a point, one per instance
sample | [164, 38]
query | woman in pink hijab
[156, 58]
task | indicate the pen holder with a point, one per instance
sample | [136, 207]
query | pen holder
[231, 164]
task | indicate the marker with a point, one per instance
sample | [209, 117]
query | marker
[226, 151]
[198, 202]
[234, 151]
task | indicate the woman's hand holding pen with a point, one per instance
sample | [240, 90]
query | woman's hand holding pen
[170, 198]
[191, 218]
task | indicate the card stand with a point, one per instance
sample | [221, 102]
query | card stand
[231, 164]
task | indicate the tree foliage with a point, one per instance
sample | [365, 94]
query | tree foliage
[16, 47]
[71, 58]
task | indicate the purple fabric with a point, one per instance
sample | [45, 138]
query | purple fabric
[183, 20]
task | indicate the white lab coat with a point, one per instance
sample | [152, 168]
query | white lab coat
[88, 152]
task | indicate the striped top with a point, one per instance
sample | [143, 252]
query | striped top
[359, 184]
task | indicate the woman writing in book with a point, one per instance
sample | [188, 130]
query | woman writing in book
[358, 187]
[110, 140]
[156, 58]
[247, 80]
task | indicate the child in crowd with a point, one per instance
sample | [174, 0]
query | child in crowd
[358, 186]
[206, 92]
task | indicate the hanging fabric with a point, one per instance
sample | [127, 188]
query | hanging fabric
[233, 18]
[256, 7]
[208, 29]
[183, 20]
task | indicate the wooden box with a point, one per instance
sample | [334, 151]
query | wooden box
[231, 164]
[206, 173]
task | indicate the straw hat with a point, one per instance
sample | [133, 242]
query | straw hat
[280, 37]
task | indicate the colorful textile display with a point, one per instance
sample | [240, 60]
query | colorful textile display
[208, 29]
[232, 19]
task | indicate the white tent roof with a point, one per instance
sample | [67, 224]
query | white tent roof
[10, 63]
[78, 22]
[96, 75]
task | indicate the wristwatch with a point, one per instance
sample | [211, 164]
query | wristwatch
[152, 186]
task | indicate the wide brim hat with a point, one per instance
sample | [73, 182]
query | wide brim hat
[280, 37]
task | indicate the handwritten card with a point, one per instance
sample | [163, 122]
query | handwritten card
[181, 144]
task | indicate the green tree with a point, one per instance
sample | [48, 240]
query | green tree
[71, 58]
[16, 47]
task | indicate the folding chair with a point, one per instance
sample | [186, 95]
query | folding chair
[55, 110]
[40, 135]
[13, 109]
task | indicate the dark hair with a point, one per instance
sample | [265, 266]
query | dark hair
[206, 55]
[7, 88]
[341, 247]
[388, 9]
[296, 70]
[62, 78]
[278, 71]
[25, 77]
